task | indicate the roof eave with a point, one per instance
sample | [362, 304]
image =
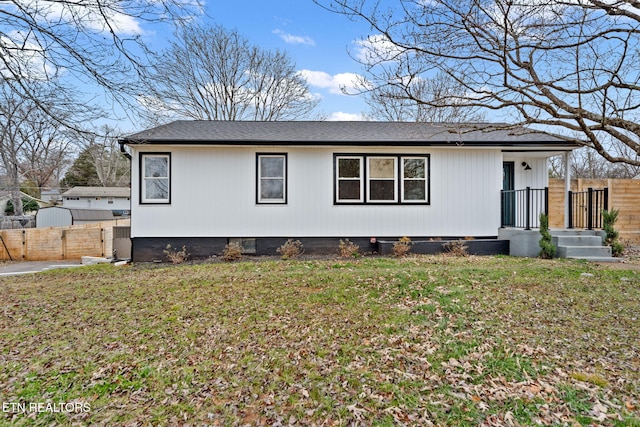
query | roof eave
[483, 144]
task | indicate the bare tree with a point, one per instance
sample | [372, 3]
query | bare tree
[567, 66]
[216, 74]
[31, 145]
[586, 163]
[424, 100]
[14, 114]
[89, 41]
[99, 162]
[44, 150]
[111, 166]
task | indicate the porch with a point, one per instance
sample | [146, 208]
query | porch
[522, 208]
[520, 222]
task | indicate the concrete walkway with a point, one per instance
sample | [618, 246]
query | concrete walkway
[27, 267]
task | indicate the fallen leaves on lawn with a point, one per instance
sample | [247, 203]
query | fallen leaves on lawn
[414, 341]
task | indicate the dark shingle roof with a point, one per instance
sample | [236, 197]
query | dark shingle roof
[85, 214]
[342, 133]
[90, 214]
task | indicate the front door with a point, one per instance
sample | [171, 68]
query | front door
[508, 195]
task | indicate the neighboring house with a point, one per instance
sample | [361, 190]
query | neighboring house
[51, 195]
[58, 216]
[115, 199]
[203, 183]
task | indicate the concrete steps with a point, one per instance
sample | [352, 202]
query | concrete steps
[582, 244]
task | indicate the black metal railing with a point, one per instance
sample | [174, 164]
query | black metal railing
[522, 208]
[585, 208]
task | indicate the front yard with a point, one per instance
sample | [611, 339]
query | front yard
[371, 341]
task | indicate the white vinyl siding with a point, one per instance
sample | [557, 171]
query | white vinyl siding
[214, 187]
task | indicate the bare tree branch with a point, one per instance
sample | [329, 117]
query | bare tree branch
[212, 73]
[97, 42]
[31, 145]
[569, 67]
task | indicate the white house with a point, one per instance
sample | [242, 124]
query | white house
[115, 199]
[264, 182]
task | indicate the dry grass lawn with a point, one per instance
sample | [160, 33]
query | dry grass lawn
[372, 341]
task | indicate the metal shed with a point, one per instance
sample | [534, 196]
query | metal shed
[60, 217]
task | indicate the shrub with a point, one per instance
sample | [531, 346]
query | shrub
[232, 252]
[291, 249]
[402, 247]
[348, 249]
[547, 248]
[176, 256]
[617, 248]
[609, 219]
[455, 248]
[28, 205]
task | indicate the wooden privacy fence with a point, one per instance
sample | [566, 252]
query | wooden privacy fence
[623, 194]
[58, 243]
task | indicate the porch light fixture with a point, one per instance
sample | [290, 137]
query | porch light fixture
[526, 166]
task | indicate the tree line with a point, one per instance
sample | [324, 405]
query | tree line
[568, 67]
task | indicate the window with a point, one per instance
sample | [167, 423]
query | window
[248, 244]
[381, 179]
[110, 200]
[271, 178]
[155, 178]
[349, 184]
[414, 180]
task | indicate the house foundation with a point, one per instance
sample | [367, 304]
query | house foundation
[523, 243]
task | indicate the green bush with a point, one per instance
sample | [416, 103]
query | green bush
[28, 205]
[547, 248]
[609, 219]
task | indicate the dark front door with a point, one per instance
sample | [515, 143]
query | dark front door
[508, 195]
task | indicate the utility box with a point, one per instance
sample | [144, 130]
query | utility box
[122, 242]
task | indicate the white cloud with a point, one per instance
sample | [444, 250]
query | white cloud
[375, 49]
[28, 59]
[87, 14]
[340, 116]
[336, 84]
[291, 39]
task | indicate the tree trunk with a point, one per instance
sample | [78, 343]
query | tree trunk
[16, 200]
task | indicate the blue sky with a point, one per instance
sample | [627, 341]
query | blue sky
[319, 41]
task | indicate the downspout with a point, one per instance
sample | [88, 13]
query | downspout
[567, 186]
[123, 151]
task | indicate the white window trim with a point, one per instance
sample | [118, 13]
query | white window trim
[394, 180]
[361, 179]
[365, 179]
[425, 159]
[143, 178]
[259, 198]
